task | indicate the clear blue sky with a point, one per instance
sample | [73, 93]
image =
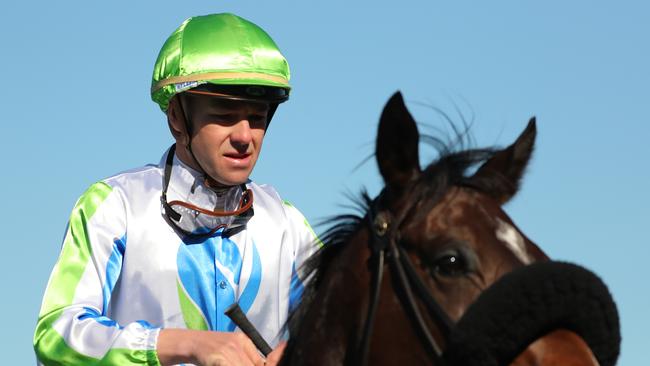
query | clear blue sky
[76, 108]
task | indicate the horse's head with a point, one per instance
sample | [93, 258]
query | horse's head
[452, 223]
[442, 233]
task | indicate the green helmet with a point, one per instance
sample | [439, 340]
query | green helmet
[222, 51]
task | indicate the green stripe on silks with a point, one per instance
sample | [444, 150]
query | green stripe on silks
[72, 262]
[76, 250]
[317, 241]
[194, 318]
[54, 345]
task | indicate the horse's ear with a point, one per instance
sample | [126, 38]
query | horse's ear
[397, 145]
[500, 175]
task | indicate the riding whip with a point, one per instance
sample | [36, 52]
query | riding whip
[235, 314]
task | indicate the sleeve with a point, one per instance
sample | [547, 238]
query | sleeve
[73, 327]
[306, 243]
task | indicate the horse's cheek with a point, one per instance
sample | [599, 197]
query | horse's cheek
[560, 347]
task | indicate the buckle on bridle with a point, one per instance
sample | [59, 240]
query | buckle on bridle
[381, 223]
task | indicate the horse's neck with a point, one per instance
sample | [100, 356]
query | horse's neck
[328, 331]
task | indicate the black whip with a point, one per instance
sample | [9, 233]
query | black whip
[235, 314]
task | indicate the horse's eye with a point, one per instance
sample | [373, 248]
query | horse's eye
[450, 265]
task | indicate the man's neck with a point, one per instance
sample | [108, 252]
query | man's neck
[184, 155]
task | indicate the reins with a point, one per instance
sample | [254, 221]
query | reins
[384, 244]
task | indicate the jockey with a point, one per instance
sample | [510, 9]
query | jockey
[153, 256]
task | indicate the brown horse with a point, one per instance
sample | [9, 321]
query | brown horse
[444, 238]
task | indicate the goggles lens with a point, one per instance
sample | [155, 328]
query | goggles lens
[234, 208]
[193, 220]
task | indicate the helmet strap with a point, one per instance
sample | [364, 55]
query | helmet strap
[190, 133]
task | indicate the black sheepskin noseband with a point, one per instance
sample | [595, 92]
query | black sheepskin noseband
[529, 303]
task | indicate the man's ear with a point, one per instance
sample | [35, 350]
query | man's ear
[176, 122]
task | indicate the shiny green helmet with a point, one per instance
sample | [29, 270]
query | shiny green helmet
[222, 55]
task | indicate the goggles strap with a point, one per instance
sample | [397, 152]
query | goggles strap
[175, 216]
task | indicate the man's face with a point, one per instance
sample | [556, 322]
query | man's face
[227, 135]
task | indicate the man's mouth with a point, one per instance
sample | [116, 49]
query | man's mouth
[238, 158]
[237, 155]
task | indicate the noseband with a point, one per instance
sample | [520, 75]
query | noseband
[384, 244]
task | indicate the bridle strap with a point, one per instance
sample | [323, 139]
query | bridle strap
[383, 243]
[444, 322]
[430, 343]
[379, 225]
[377, 275]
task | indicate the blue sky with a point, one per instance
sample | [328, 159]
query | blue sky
[76, 108]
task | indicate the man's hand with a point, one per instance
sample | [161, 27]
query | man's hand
[275, 356]
[207, 348]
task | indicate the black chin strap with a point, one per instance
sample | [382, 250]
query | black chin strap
[166, 178]
[190, 134]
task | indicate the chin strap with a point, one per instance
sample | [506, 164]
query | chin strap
[190, 133]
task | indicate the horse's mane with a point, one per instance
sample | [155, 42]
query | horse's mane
[452, 168]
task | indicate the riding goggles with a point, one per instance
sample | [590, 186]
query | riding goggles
[233, 209]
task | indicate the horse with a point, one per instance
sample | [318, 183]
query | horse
[444, 239]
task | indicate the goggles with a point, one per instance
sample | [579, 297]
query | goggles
[252, 93]
[234, 210]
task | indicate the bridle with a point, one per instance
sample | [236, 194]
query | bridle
[384, 244]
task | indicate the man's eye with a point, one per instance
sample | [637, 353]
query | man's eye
[225, 116]
[257, 120]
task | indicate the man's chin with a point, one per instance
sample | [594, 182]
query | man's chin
[228, 180]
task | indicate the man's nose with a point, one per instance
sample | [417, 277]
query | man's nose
[241, 135]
